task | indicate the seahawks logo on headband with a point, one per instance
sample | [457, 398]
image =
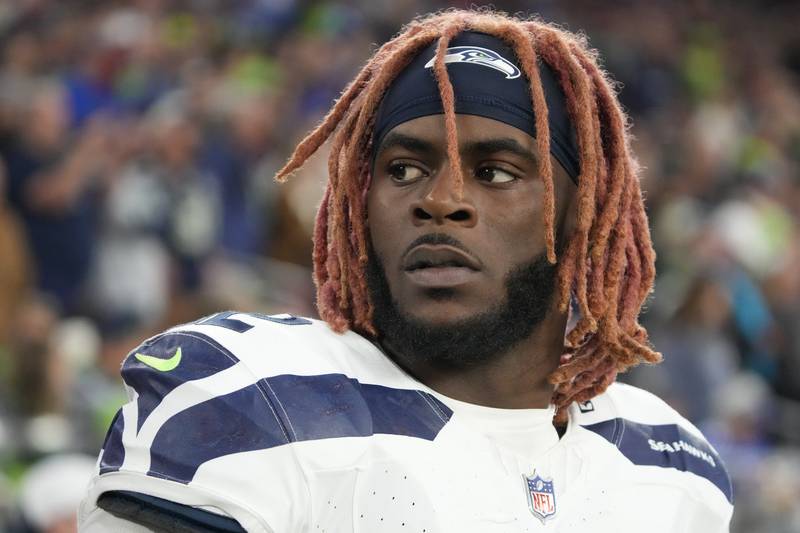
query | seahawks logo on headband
[479, 56]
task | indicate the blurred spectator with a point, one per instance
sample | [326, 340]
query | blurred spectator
[698, 356]
[14, 262]
[51, 491]
[242, 159]
[36, 375]
[161, 219]
[50, 180]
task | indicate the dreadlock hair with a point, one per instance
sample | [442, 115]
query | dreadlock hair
[607, 267]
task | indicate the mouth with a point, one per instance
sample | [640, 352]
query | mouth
[440, 266]
[427, 256]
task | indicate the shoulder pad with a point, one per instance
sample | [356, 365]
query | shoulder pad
[230, 384]
[191, 401]
[283, 344]
[649, 432]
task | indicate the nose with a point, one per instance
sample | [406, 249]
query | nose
[440, 204]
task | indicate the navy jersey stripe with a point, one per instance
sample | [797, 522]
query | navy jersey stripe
[289, 408]
[201, 356]
[334, 405]
[668, 446]
[113, 450]
[236, 422]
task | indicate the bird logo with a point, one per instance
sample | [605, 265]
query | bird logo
[477, 55]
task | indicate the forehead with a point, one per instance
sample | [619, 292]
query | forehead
[469, 128]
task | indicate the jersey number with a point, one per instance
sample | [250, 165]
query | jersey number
[224, 320]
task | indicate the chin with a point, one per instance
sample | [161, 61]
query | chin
[456, 328]
[440, 313]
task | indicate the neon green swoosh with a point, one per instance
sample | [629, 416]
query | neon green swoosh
[163, 365]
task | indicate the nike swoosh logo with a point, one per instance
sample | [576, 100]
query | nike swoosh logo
[162, 365]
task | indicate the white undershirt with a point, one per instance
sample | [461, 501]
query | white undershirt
[527, 433]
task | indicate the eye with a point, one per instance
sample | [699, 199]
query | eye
[495, 175]
[405, 173]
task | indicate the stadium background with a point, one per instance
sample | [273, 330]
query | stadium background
[137, 144]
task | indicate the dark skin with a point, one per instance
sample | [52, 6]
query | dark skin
[499, 223]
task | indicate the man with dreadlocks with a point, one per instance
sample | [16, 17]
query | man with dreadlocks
[481, 257]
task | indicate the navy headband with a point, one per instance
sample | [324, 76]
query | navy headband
[486, 82]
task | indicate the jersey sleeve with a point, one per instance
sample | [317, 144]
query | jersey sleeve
[199, 431]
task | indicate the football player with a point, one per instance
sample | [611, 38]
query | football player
[481, 257]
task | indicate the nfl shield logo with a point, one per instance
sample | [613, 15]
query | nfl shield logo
[541, 497]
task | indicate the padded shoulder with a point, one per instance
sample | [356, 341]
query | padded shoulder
[216, 406]
[234, 383]
[648, 432]
[201, 424]
[191, 401]
[188, 389]
[284, 344]
[632, 403]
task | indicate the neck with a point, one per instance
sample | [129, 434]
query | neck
[514, 379]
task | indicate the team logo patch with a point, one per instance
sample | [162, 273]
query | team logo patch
[541, 496]
[477, 55]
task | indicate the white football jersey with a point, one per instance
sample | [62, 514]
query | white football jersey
[286, 426]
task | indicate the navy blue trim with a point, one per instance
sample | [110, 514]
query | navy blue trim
[201, 356]
[113, 450]
[288, 408]
[165, 514]
[667, 446]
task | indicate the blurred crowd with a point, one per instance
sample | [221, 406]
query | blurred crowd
[138, 141]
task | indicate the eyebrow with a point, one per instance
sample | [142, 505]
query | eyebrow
[413, 144]
[502, 144]
[483, 147]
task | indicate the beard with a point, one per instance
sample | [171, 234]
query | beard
[471, 341]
